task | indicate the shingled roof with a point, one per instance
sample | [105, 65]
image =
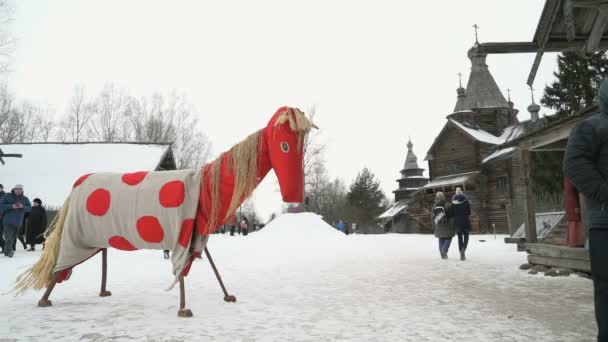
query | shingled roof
[482, 90]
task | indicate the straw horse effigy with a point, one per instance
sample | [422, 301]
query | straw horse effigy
[175, 210]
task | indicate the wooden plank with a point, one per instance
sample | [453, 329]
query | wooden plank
[563, 252]
[549, 136]
[529, 198]
[542, 35]
[577, 265]
[601, 22]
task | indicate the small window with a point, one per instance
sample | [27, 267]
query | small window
[501, 184]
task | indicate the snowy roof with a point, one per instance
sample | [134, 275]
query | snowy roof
[545, 222]
[451, 180]
[48, 170]
[505, 153]
[510, 133]
[395, 209]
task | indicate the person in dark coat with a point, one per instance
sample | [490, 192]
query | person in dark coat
[462, 224]
[36, 225]
[586, 164]
[442, 223]
[244, 225]
[14, 206]
[2, 193]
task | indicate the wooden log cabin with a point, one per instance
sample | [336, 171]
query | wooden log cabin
[464, 153]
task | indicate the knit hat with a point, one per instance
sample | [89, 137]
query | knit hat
[439, 197]
[459, 191]
[37, 200]
[18, 186]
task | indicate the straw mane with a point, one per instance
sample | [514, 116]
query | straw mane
[242, 160]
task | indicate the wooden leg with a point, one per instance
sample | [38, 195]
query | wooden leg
[183, 312]
[227, 298]
[45, 302]
[104, 273]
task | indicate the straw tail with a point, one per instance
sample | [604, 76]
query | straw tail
[39, 275]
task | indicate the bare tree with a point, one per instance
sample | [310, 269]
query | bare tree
[313, 148]
[7, 42]
[8, 120]
[74, 126]
[111, 111]
[172, 119]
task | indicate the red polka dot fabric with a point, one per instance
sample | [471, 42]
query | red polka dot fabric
[121, 243]
[133, 211]
[98, 202]
[172, 194]
[150, 230]
[134, 178]
[81, 180]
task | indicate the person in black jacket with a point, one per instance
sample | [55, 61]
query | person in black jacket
[461, 210]
[36, 225]
[2, 193]
[586, 163]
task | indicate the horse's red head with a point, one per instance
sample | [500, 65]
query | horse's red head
[285, 136]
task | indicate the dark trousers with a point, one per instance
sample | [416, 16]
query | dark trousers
[232, 230]
[20, 236]
[598, 248]
[1, 235]
[245, 231]
[463, 240]
[10, 235]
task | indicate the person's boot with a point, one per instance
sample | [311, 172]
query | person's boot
[166, 254]
[462, 256]
[32, 249]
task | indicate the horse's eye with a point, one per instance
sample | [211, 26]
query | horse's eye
[285, 147]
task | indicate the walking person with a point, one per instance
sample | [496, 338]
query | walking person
[442, 223]
[13, 206]
[341, 226]
[2, 193]
[36, 225]
[232, 223]
[244, 226]
[586, 164]
[462, 224]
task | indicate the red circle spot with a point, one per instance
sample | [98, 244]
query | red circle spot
[134, 178]
[98, 202]
[121, 243]
[185, 235]
[149, 229]
[172, 194]
[81, 179]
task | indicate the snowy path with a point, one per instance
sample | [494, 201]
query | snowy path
[298, 281]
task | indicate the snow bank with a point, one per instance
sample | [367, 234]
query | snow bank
[298, 227]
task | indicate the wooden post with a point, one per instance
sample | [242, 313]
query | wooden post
[529, 198]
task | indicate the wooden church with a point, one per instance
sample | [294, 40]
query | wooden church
[465, 154]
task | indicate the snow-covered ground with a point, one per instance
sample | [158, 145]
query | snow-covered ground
[300, 280]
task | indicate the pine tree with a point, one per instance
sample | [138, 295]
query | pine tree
[366, 197]
[578, 79]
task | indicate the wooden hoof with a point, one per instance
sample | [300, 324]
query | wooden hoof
[184, 313]
[230, 299]
[105, 294]
[43, 303]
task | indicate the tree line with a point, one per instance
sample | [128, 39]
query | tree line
[113, 115]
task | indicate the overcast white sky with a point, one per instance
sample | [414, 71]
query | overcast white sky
[378, 71]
